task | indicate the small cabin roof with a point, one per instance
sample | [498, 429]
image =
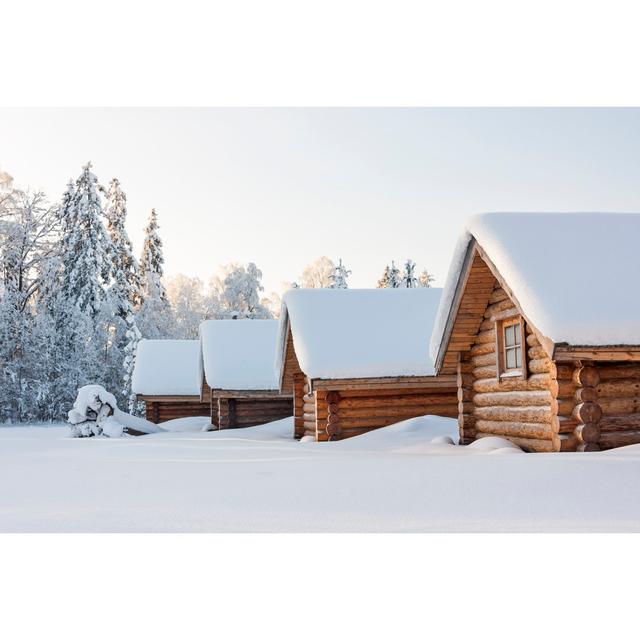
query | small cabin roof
[239, 355]
[167, 368]
[359, 333]
[572, 274]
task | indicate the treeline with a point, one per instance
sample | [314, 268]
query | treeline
[75, 301]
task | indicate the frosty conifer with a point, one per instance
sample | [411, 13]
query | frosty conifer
[409, 280]
[339, 276]
[395, 279]
[154, 317]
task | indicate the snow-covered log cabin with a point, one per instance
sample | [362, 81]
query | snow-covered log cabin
[540, 321]
[357, 360]
[167, 377]
[238, 360]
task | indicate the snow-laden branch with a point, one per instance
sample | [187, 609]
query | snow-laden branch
[95, 412]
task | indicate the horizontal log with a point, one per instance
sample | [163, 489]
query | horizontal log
[513, 398]
[485, 372]
[450, 408]
[564, 371]
[537, 382]
[537, 353]
[528, 444]
[497, 295]
[565, 407]
[568, 442]
[567, 388]
[488, 359]
[483, 349]
[540, 365]
[514, 414]
[517, 429]
[619, 388]
[486, 336]
[425, 399]
[450, 385]
[612, 372]
[498, 307]
[620, 423]
[615, 439]
[619, 406]
[532, 340]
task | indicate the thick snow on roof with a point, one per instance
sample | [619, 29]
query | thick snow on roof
[574, 274]
[167, 368]
[239, 354]
[360, 333]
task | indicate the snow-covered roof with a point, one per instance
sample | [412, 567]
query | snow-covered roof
[167, 368]
[239, 354]
[360, 333]
[573, 274]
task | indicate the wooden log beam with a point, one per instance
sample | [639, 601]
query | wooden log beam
[514, 414]
[513, 398]
[516, 429]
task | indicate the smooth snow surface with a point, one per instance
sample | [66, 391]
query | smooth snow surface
[239, 354]
[574, 274]
[360, 333]
[167, 368]
[259, 479]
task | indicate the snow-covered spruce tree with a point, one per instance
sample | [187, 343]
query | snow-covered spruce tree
[383, 283]
[395, 279]
[409, 279]
[85, 258]
[426, 279]
[238, 292]
[123, 295]
[339, 276]
[154, 315]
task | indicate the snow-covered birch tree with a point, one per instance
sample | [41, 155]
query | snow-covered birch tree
[409, 279]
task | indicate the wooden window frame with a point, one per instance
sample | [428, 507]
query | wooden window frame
[502, 371]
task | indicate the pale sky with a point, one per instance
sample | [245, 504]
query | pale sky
[280, 187]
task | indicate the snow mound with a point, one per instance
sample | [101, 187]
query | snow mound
[413, 434]
[443, 440]
[359, 333]
[194, 423]
[492, 443]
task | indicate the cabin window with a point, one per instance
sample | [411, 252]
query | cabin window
[510, 336]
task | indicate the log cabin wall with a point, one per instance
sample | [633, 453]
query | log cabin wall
[335, 414]
[522, 409]
[161, 411]
[249, 412]
[613, 410]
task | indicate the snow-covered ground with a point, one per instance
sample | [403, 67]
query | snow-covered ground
[259, 479]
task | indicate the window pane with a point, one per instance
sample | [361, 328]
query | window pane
[511, 358]
[509, 336]
[517, 330]
[518, 356]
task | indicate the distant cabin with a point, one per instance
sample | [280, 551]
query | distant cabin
[356, 360]
[540, 321]
[167, 377]
[238, 358]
